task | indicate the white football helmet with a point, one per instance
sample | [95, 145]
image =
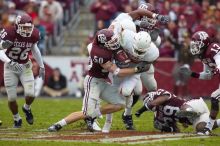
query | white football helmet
[142, 41]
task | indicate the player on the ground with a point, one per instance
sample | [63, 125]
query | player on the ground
[209, 53]
[102, 51]
[170, 109]
[16, 42]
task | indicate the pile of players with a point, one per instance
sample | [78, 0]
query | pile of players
[126, 51]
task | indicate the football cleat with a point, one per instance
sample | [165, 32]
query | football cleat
[205, 131]
[54, 128]
[29, 116]
[17, 124]
[106, 128]
[96, 126]
[128, 121]
[0, 122]
[89, 122]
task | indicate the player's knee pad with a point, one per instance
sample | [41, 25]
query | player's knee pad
[29, 89]
[90, 109]
[126, 92]
[12, 93]
[214, 104]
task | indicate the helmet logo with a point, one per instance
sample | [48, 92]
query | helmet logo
[102, 38]
[203, 35]
[18, 19]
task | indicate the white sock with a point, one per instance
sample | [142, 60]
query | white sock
[62, 122]
[27, 107]
[127, 112]
[218, 122]
[210, 123]
[109, 118]
[17, 117]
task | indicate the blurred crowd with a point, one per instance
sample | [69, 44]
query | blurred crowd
[49, 16]
[187, 17]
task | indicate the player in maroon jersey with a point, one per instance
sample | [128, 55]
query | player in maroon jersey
[16, 42]
[102, 52]
[208, 53]
[170, 109]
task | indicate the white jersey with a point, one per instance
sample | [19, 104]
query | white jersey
[127, 41]
[121, 22]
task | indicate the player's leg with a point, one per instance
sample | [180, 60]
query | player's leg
[127, 88]
[11, 82]
[92, 88]
[150, 83]
[215, 96]
[108, 122]
[27, 80]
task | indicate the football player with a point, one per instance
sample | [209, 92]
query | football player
[102, 51]
[16, 42]
[142, 23]
[170, 109]
[209, 53]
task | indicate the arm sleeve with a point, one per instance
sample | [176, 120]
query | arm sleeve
[4, 57]
[217, 60]
[37, 55]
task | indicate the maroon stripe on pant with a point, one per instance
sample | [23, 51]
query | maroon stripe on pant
[87, 95]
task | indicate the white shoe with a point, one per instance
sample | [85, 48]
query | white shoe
[96, 126]
[106, 128]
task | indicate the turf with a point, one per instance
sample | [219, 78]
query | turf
[50, 110]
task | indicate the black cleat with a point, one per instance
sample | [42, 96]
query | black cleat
[54, 128]
[127, 120]
[29, 116]
[17, 124]
[89, 122]
[0, 122]
[140, 111]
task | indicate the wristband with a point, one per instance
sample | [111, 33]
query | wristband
[116, 71]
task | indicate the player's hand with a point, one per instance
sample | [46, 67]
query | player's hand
[142, 67]
[185, 70]
[42, 73]
[15, 66]
[7, 44]
[164, 19]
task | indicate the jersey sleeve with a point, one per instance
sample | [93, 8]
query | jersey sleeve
[6, 34]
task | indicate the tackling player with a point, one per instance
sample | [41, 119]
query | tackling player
[102, 51]
[16, 42]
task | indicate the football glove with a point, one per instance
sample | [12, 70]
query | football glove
[6, 44]
[42, 73]
[142, 67]
[15, 66]
[164, 19]
[185, 70]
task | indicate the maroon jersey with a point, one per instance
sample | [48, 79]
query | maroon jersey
[166, 111]
[98, 56]
[208, 57]
[19, 52]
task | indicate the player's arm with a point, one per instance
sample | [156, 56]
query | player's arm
[4, 57]
[206, 74]
[217, 61]
[37, 56]
[151, 104]
[111, 67]
[136, 14]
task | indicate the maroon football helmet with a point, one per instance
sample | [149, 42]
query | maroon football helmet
[152, 22]
[199, 42]
[107, 39]
[24, 25]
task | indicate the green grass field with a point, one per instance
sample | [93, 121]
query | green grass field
[47, 111]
